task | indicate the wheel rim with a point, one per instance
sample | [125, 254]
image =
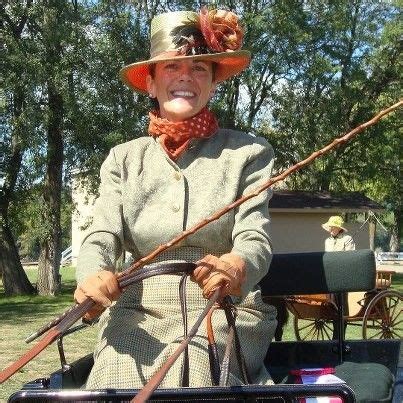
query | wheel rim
[383, 317]
[313, 329]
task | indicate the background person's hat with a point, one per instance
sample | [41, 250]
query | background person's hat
[334, 221]
[209, 36]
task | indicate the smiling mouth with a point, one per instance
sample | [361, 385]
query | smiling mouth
[183, 94]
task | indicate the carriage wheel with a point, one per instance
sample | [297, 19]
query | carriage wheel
[383, 317]
[313, 329]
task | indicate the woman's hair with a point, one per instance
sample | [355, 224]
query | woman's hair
[154, 101]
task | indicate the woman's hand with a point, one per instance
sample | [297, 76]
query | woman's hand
[228, 271]
[102, 287]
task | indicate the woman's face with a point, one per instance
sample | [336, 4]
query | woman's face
[334, 230]
[182, 87]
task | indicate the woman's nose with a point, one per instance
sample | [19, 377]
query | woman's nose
[185, 73]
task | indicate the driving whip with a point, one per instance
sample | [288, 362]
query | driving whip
[67, 319]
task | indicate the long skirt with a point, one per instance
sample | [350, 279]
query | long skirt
[144, 327]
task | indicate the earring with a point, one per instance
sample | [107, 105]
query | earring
[151, 95]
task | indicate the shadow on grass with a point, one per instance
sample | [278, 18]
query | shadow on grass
[20, 308]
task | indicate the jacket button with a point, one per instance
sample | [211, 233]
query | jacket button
[177, 175]
[176, 208]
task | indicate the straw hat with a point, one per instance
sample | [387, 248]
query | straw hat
[209, 36]
[334, 221]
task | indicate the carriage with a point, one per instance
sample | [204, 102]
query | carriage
[370, 370]
[378, 312]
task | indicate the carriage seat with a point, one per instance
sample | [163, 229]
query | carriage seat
[359, 363]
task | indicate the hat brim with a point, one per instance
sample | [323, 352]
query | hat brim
[326, 227]
[228, 64]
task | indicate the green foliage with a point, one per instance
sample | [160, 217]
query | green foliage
[340, 81]
[28, 227]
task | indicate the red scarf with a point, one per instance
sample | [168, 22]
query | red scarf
[175, 136]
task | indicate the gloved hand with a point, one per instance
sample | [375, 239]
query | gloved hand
[102, 287]
[212, 272]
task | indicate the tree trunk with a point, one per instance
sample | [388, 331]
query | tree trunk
[15, 280]
[49, 259]
[394, 243]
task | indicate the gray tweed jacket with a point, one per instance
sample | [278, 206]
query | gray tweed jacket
[146, 199]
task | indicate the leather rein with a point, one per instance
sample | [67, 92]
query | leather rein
[219, 374]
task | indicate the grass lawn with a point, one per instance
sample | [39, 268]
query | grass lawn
[398, 281]
[21, 316]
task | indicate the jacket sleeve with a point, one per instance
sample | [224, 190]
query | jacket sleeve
[349, 243]
[250, 234]
[102, 245]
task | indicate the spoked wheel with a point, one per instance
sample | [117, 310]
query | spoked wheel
[383, 317]
[314, 329]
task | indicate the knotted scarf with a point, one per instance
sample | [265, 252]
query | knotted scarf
[175, 136]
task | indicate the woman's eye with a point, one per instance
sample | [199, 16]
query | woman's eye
[199, 67]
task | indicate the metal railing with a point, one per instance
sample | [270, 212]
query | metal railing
[383, 257]
[66, 256]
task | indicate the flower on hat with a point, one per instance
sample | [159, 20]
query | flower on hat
[221, 29]
[213, 31]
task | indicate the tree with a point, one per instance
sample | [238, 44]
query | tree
[272, 37]
[350, 70]
[52, 30]
[39, 62]
[14, 140]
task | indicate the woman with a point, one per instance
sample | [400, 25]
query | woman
[154, 187]
[338, 240]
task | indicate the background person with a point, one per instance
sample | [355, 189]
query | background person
[154, 187]
[338, 240]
